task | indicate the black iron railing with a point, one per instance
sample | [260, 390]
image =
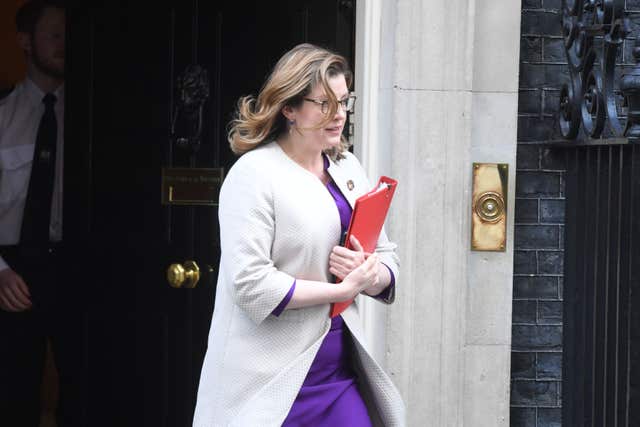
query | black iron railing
[600, 116]
[596, 99]
[601, 354]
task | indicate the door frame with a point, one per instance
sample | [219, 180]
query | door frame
[372, 126]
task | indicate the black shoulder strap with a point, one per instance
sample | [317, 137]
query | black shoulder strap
[6, 92]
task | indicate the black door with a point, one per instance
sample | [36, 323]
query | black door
[143, 340]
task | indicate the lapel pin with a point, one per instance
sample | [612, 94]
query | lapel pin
[350, 185]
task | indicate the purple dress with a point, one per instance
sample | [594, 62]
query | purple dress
[329, 395]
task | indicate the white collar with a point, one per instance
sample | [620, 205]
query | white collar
[35, 94]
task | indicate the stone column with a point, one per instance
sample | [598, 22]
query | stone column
[494, 115]
[447, 97]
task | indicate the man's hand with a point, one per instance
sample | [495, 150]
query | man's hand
[14, 292]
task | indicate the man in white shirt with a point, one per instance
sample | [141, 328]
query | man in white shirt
[31, 138]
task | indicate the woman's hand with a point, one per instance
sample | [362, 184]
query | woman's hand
[364, 277]
[343, 261]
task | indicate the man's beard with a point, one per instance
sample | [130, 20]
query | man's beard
[46, 68]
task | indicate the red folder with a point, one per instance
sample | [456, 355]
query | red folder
[369, 213]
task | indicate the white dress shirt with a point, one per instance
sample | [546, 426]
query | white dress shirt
[20, 114]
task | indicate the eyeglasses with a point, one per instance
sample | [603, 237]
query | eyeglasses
[346, 104]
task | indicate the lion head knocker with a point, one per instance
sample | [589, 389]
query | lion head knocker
[186, 123]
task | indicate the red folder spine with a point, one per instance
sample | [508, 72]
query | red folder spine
[367, 219]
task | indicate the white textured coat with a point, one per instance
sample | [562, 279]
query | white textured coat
[278, 222]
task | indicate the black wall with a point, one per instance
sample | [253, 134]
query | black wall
[536, 362]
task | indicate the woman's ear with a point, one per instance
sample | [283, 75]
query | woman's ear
[289, 113]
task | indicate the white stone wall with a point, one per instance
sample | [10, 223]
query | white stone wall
[443, 75]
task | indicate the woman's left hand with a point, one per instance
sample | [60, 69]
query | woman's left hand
[343, 261]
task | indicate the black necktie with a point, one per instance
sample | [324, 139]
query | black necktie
[37, 209]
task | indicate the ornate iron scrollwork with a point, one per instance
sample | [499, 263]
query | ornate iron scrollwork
[594, 31]
[186, 121]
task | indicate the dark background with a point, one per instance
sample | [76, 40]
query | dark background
[143, 342]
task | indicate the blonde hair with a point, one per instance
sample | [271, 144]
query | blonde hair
[259, 120]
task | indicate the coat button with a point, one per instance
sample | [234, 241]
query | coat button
[350, 185]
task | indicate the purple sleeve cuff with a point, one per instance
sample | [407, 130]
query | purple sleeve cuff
[280, 308]
[387, 291]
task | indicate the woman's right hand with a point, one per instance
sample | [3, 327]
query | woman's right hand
[361, 278]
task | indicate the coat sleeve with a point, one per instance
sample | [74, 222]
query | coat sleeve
[387, 252]
[246, 235]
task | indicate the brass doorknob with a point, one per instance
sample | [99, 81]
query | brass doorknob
[184, 275]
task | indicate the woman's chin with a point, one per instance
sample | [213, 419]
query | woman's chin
[332, 142]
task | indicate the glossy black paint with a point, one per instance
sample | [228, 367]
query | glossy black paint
[143, 342]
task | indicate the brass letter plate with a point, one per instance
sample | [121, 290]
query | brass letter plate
[191, 186]
[489, 207]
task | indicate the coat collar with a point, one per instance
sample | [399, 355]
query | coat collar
[344, 180]
[340, 172]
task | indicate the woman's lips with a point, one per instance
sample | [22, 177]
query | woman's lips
[335, 129]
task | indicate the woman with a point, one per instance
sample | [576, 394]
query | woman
[274, 356]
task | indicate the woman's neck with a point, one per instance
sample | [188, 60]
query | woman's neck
[303, 155]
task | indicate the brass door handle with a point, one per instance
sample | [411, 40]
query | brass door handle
[184, 275]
